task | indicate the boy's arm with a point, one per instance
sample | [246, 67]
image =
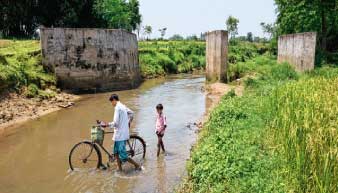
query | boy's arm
[165, 121]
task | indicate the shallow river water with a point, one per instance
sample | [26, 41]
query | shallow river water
[34, 156]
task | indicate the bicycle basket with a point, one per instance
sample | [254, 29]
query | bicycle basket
[97, 134]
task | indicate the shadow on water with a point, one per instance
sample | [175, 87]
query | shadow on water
[34, 156]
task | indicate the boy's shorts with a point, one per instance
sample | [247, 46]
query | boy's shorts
[120, 149]
[159, 134]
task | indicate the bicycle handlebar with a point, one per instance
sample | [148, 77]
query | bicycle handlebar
[101, 127]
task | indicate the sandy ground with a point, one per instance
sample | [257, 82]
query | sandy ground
[16, 109]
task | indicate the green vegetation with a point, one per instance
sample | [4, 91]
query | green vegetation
[20, 19]
[20, 61]
[118, 14]
[280, 136]
[161, 57]
[20, 67]
[305, 130]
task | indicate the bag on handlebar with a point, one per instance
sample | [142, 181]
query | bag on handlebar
[97, 134]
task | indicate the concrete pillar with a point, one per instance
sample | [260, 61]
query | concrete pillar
[298, 49]
[88, 59]
[216, 55]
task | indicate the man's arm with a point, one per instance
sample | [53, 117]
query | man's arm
[116, 118]
[130, 114]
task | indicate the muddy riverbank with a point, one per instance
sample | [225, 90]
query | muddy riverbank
[16, 109]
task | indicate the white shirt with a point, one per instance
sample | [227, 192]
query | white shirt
[122, 115]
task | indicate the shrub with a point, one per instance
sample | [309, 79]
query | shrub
[31, 91]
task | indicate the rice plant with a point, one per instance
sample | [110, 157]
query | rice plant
[306, 128]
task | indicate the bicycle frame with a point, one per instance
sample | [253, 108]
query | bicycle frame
[112, 156]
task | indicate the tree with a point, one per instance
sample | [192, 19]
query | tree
[162, 31]
[134, 13]
[232, 26]
[304, 15]
[115, 13]
[249, 37]
[192, 37]
[20, 18]
[257, 39]
[138, 30]
[17, 18]
[147, 31]
[176, 37]
[202, 36]
[67, 13]
[268, 29]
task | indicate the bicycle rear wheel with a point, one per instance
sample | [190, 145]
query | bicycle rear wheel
[136, 148]
[85, 155]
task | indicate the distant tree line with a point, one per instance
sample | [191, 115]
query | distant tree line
[20, 18]
[251, 38]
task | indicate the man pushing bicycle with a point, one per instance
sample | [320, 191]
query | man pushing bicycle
[121, 123]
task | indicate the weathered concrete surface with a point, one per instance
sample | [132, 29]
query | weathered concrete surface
[298, 50]
[216, 55]
[91, 59]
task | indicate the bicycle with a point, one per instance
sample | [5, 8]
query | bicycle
[87, 154]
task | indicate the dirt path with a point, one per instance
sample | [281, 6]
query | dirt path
[16, 109]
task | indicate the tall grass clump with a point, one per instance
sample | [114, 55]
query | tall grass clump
[250, 66]
[305, 128]
[21, 66]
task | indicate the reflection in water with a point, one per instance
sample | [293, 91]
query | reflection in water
[34, 156]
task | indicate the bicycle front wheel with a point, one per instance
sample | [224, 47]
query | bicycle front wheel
[136, 148]
[84, 155]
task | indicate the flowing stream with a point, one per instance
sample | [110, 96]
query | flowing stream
[34, 156]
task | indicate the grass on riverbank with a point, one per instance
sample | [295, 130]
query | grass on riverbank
[20, 67]
[161, 57]
[280, 136]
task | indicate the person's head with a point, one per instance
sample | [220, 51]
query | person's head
[114, 98]
[159, 108]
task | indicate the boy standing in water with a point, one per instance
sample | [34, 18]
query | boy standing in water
[161, 125]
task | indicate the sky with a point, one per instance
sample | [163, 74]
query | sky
[188, 17]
